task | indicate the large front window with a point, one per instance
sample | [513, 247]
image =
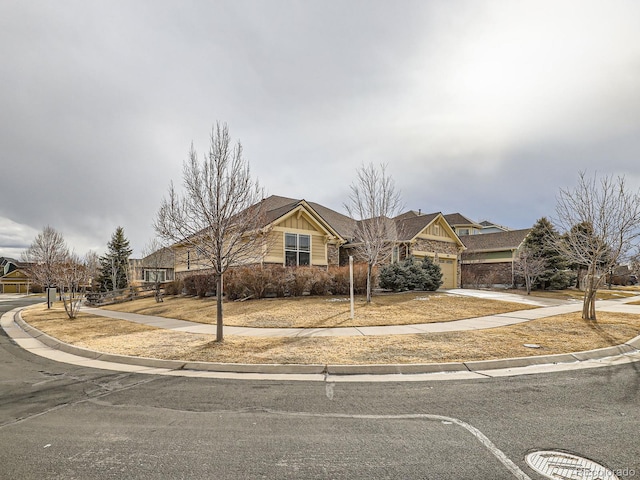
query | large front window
[154, 276]
[297, 249]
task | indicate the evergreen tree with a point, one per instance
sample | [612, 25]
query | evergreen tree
[541, 243]
[433, 274]
[114, 266]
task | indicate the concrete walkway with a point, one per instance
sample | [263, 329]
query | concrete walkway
[558, 307]
[45, 346]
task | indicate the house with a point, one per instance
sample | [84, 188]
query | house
[462, 225]
[429, 235]
[490, 227]
[489, 259]
[14, 277]
[303, 233]
[159, 266]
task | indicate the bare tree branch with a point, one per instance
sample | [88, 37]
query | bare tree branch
[373, 202]
[601, 221]
[220, 215]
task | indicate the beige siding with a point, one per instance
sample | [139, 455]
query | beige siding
[275, 248]
[297, 223]
[318, 250]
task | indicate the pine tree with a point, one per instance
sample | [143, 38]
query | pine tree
[541, 243]
[114, 265]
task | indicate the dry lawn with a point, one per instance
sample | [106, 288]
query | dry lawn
[316, 312]
[559, 334]
[574, 294]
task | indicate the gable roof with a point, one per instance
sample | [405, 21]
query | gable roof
[509, 240]
[457, 219]
[409, 226]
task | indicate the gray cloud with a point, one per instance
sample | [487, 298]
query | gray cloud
[476, 107]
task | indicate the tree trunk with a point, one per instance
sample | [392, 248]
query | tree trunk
[219, 308]
[369, 288]
[589, 299]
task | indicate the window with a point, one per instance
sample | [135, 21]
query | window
[154, 276]
[297, 249]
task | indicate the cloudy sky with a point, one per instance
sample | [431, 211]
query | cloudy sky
[485, 108]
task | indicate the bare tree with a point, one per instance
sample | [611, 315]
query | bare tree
[531, 267]
[220, 215]
[609, 216]
[74, 277]
[92, 264]
[45, 256]
[156, 259]
[373, 202]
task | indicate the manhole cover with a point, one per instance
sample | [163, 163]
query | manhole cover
[564, 466]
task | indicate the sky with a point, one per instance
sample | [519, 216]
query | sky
[486, 108]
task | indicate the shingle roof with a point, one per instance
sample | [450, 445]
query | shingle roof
[494, 241]
[408, 227]
[276, 206]
[454, 219]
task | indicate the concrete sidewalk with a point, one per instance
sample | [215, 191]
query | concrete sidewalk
[43, 345]
[478, 323]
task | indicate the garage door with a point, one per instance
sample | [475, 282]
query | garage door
[9, 288]
[448, 268]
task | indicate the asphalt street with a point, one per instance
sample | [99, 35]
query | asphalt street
[66, 421]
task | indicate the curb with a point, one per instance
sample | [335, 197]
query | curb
[632, 346]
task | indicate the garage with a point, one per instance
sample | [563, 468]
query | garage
[448, 268]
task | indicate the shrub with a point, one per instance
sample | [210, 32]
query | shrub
[340, 280]
[411, 275]
[433, 280]
[233, 285]
[320, 282]
[278, 280]
[393, 277]
[199, 285]
[298, 280]
[173, 288]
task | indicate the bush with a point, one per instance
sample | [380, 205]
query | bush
[173, 288]
[199, 285]
[298, 280]
[340, 280]
[433, 273]
[320, 282]
[411, 275]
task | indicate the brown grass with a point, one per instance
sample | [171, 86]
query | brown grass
[559, 334]
[573, 294]
[314, 312]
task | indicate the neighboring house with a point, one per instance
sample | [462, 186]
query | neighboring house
[462, 225]
[490, 258]
[489, 227]
[159, 267]
[302, 233]
[14, 276]
[430, 235]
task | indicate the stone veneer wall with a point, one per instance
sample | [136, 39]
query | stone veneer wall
[333, 255]
[426, 245]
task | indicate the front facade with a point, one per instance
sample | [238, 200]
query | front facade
[16, 281]
[430, 235]
[14, 276]
[301, 233]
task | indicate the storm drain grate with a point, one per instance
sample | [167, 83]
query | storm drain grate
[565, 466]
